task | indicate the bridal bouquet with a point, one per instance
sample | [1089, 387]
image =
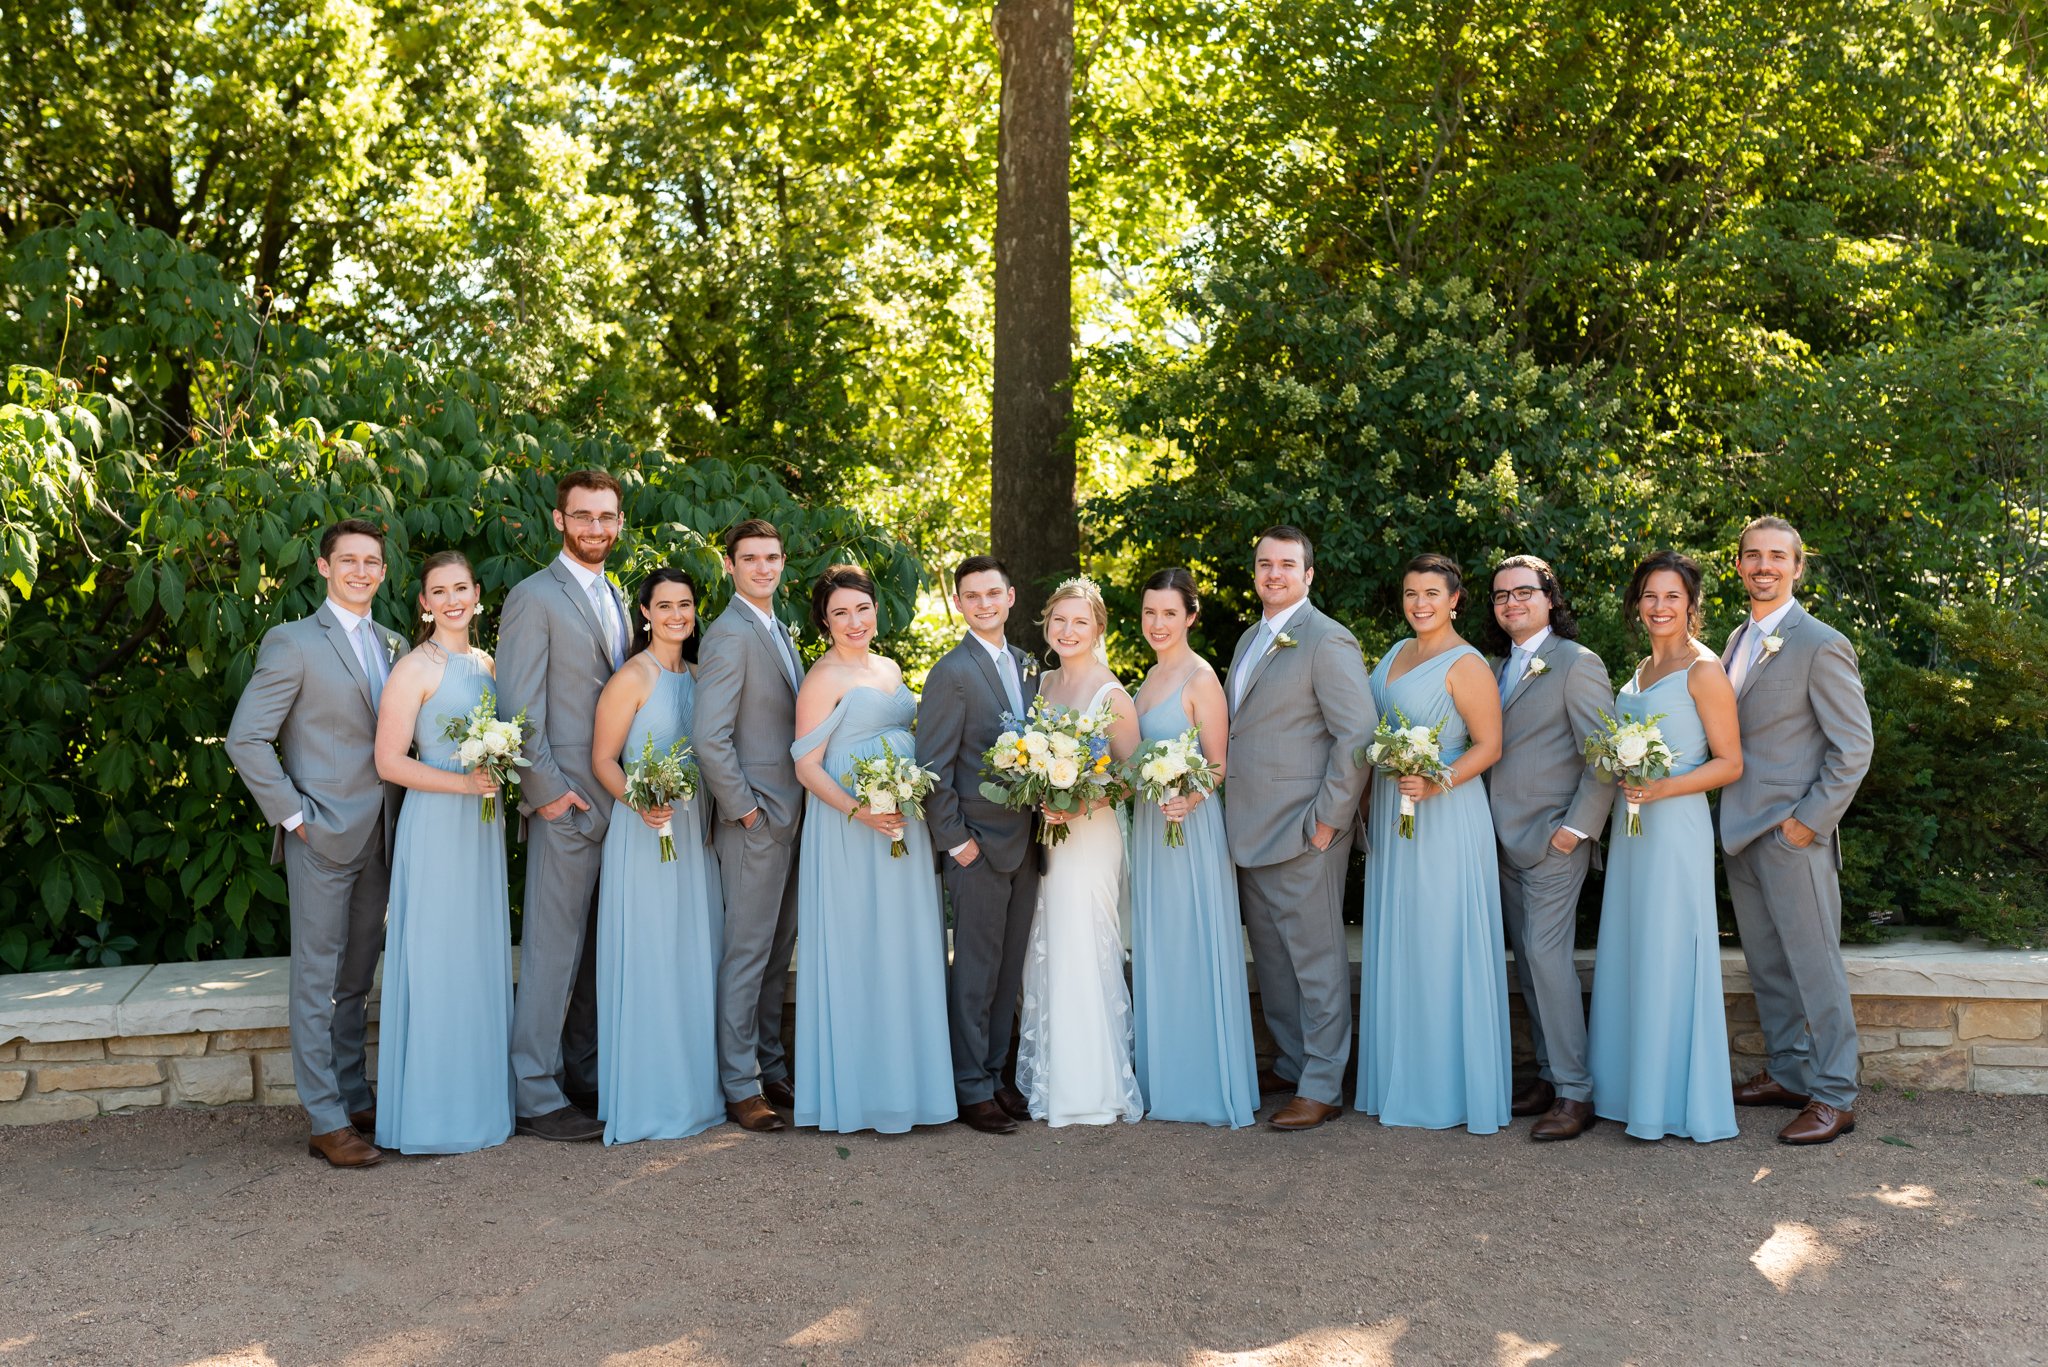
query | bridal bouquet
[1631, 752]
[1406, 751]
[1166, 769]
[1056, 757]
[662, 781]
[485, 741]
[887, 783]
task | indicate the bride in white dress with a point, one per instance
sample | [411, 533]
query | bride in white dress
[1075, 1063]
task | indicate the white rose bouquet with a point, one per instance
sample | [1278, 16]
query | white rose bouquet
[1166, 769]
[889, 783]
[1400, 749]
[1631, 753]
[484, 740]
[1056, 757]
[662, 781]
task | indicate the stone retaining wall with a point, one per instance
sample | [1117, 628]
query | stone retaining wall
[73, 1045]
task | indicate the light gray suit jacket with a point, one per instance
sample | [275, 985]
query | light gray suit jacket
[746, 720]
[553, 662]
[959, 717]
[1306, 710]
[1542, 780]
[1806, 740]
[310, 700]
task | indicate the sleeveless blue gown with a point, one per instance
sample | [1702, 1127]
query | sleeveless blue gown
[872, 1047]
[1193, 1007]
[444, 1041]
[1658, 1034]
[659, 929]
[1435, 1050]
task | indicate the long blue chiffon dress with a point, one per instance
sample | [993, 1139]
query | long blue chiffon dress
[444, 1041]
[1434, 1045]
[1658, 1033]
[659, 928]
[1190, 997]
[872, 1047]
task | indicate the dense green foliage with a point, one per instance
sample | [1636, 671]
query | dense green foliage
[139, 582]
[1581, 278]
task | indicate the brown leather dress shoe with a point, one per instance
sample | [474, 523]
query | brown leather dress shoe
[344, 1148]
[1765, 1090]
[779, 1093]
[1303, 1114]
[1013, 1103]
[1534, 1097]
[1819, 1123]
[987, 1117]
[754, 1114]
[364, 1123]
[1271, 1082]
[1566, 1119]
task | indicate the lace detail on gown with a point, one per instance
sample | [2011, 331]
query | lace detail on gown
[1076, 1062]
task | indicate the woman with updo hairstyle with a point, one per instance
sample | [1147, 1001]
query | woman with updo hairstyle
[659, 923]
[1658, 1033]
[445, 1029]
[1074, 1062]
[872, 1048]
[1433, 1034]
[1195, 1058]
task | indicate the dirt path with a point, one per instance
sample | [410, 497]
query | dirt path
[209, 1237]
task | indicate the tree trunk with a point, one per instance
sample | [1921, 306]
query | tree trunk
[1031, 458]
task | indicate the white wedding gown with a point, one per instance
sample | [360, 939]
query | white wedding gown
[1075, 1062]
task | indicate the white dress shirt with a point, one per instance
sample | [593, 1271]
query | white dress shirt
[1749, 641]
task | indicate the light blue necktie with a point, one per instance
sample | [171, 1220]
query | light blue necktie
[1511, 673]
[373, 668]
[1006, 669]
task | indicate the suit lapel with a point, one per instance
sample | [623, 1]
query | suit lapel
[987, 668]
[1764, 657]
[1301, 619]
[581, 602]
[768, 641]
[1522, 684]
[338, 637]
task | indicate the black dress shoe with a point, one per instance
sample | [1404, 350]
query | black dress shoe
[1013, 1103]
[779, 1093]
[1534, 1097]
[566, 1125]
[987, 1117]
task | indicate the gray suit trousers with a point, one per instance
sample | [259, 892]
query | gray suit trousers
[554, 1017]
[1294, 914]
[1788, 906]
[992, 914]
[1539, 906]
[759, 872]
[337, 913]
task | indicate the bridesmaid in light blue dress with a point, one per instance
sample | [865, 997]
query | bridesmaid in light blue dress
[872, 1047]
[444, 1041]
[659, 925]
[1191, 1000]
[1658, 1035]
[1434, 1029]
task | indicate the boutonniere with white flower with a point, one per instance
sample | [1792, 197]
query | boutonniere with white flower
[1537, 668]
[391, 645]
[1773, 643]
[1282, 641]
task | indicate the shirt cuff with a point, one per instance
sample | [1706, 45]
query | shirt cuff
[954, 853]
[294, 821]
[1574, 830]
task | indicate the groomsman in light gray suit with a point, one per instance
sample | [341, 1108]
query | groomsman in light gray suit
[1548, 808]
[1300, 708]
[565, 631]
[748, 673]
[1806, 746]
[314, 698]
[986, 856]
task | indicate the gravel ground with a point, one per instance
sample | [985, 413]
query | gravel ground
[209, 1237]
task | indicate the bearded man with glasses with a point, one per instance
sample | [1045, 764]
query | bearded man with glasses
[1548, 808]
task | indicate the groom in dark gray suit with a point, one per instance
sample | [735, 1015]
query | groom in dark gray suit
[986, 856]
[1806, 745]
[1300, 708]
[1548, 808]
[565, 632]
[314, 696]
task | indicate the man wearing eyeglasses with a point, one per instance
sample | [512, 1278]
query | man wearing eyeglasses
[565, 632]
[1548, 808]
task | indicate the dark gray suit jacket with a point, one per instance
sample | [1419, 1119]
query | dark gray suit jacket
[309, 699]
[959, 717]
[1542, 780]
